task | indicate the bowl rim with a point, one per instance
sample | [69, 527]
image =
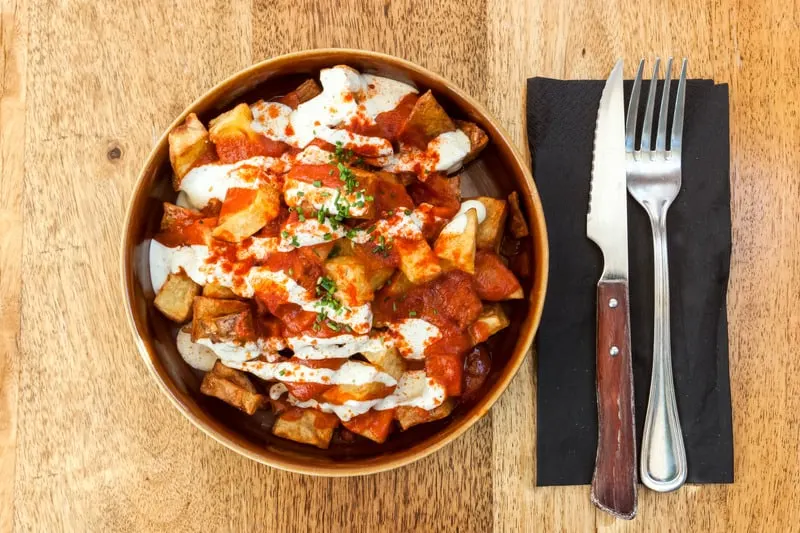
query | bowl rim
[435, 442]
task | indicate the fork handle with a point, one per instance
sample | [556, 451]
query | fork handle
[614, 481]
[663, 462]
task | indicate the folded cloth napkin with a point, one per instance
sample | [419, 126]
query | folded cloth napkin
[561, 123]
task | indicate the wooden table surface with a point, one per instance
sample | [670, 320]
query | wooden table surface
[88, 442]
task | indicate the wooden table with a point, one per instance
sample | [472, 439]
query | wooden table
[88, 443]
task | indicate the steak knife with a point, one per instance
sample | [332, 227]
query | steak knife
[614, 480]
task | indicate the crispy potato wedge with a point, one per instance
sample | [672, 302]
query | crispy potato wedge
[458, 249]
[427, 121]
[374, 425]
[519, 228]
[493, 280]
[235, 139]
[417, 260]
[398, 284]
[339, 394]
[352, 284]
[379, 276]
[183, 226]
[491, 320]
[411, 416]
[477, 138]
[304, 92]
[306, 426]
[387, 360]
[206, 310]
[245, 211]
[490, 231]
[235, 327]
[232, 387]
[215, 290]
[175, 298]
[189, 146]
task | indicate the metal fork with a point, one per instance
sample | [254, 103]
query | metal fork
[654, 179]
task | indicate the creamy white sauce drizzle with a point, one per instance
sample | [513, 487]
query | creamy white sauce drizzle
[231, 351]
[350, 373]
[445, 153]
[412, 336]
[307, 347]
[459, 222]
[298, 192]
[414, 389]
[205, 182]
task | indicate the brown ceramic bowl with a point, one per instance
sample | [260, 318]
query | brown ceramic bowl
[499, 171]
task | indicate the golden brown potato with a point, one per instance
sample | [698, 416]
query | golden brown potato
[245, 211]
[490, 231]
[305, 92]
[477, 138]
[426, 122]
[378, 277]
[235, 139]
[387, 360]
[458, 249]
[232, 387]
[339, 394]
[215, 290]
[206, 310]
[235, 327]
[175, 298]
[411, 416]
[491, 320]
[189, 146]
[374, 425]
[306, 426]
[417, 260]
[352, 284]
[519, 228]
[398, 284]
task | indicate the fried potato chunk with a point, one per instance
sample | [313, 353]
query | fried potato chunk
[493, 280]
[189, 146]
[519, 228]
[208, 310]
[175, 298]
[427, 121]
[417, 260]
[458, 249]
[304, 92]
[387, 360]
[232, 387]
[491, 320]
[412, 416]
[245, 211]
[215, 290]
[490, 231]
[352, 283]
[306, 426]
[235, 139]
[477, 138]
[374, 425]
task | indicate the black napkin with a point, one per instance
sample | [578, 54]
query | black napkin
[561, 122]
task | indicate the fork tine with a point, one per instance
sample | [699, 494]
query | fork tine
[633, 110]
[661, 140]
[647, 140]
[677, 120]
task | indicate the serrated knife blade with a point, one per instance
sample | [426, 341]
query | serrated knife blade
[614, 480]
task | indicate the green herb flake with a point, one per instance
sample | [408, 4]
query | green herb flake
[285, 234]
[327, 236]
[407, 212]
[317, 183]
[412, 313]
[295, 242]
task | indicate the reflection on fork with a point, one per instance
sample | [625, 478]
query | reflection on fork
[654, 179]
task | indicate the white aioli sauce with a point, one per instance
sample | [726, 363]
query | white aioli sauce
[445, 153]
[205, 182]
[307, 347]
[298, 192]
[414, 389]
[350, 373]
[230, 351]
[412, 336]
[346, 95]
[459, 222]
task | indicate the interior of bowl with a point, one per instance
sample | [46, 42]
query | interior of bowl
[497, 172]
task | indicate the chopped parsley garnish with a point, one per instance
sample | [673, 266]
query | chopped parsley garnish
[326, 287]
[300, 194]
[347, 176]
[301, 216]
[369, 198]
[295, 242]
[327, 236]
[291, 271]
[390, 213]
[285, 234]
[317, 183]
[382, 248]
[394, 306]
[320, 216]
[282, 372]
[351, 233]
[371, 228]
[334, 326]
[412, 313]
[341, 153]
[325, 284]
[435, 312]
[407, 212]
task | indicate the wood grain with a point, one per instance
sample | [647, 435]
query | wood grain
[87, 442]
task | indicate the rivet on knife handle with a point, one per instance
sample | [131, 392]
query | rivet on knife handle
[614, 481]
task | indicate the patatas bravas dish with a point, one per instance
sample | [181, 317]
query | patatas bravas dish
[320, 261]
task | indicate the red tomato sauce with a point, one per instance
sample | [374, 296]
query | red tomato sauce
[440, 191]
[325, 175]
[493, 280]
[376, 424]
[387, 124]
[233, 148]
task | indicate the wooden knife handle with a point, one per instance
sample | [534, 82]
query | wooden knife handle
[614, 481]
